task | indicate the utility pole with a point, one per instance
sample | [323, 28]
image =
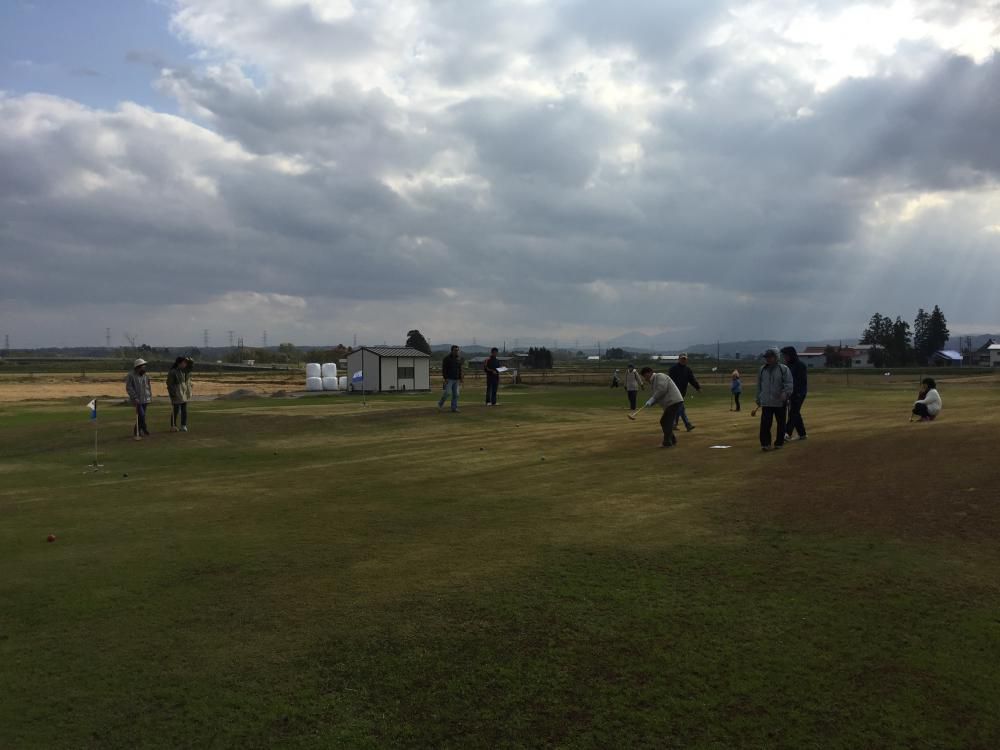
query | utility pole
[232, 335]
[107, 337]
[204, 337]
[6, 343]
[263, 340]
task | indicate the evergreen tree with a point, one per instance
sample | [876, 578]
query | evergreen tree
[921, 325]
[937, 331]
[415, 339]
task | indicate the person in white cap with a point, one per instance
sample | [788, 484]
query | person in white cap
[140, 394]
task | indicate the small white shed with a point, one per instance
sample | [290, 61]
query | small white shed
[388, 369]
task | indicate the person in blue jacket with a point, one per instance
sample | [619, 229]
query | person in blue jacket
[736, 388]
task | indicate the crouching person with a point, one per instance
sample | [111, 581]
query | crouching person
[179, 387]
[665, 393]
[928, 405]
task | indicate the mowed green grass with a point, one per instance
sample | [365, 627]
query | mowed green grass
[316, 574]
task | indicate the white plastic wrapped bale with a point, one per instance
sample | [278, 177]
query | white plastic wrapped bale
[314, 384]
[329, 369]
[330, 384]
[342, 382]
[313, 370]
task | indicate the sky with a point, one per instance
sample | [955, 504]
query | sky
[564, 170]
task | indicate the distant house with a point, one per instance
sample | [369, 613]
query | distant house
[813, 356]
[988, 355]
[664, 357]
[861, 355]
[389, 368]
[947, 358]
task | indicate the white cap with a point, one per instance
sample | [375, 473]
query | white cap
[138, 363]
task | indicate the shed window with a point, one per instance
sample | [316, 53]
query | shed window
[405, 373]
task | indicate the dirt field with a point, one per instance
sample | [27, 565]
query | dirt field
[56, 386]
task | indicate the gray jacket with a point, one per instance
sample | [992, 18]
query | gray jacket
[665, 391]
[633, 380]
[138, 388]
[774, 385]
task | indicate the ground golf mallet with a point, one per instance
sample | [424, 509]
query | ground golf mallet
[634, 414]
[754, 412]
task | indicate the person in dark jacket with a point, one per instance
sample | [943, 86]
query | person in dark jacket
[179, 388]
[682, 375]
[451, 371]
[800, 383]
[492, 377]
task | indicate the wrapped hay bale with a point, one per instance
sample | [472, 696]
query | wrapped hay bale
[314, 384]
[313, 370]
[330, 384]
[329, 370]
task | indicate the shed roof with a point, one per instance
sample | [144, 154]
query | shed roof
[948, 354]
[394, 351]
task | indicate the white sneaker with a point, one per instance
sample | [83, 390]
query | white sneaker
[184, 428]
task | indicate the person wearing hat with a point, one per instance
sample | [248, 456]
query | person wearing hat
[633, 382]
[774, 387]
[800, 383]
[736, 388]
[179, 387]
[140, 394]
[682, 375]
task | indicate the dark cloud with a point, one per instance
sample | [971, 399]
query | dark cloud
[583, 168]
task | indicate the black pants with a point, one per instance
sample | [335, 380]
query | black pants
[180, 410]
[921, 411]
[767, 415]
[492, 386]
[631, 399]
[736, 397]
[667, 424]
[795, 423]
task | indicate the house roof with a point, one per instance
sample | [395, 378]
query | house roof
[948, 354]
[812, 353]
[993, 348]
[394, 351]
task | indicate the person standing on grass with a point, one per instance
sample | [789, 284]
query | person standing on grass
[633, 383]
[179, 387]
[451, 371]
[664, 392]
[492, 377]
[736, 388]
[140, 395]
[928, 406]
[774, 387]
[800, 382]
[682, 375]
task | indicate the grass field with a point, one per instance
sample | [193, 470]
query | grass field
[311, 573]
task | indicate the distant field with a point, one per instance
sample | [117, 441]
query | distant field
[312, 573]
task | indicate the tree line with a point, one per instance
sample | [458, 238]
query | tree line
[895, 344]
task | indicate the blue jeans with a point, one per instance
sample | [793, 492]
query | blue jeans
[140, 420]
[453, 386]
[492, 386]
[682, 414]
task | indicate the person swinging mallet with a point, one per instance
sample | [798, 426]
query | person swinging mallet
[666, 394]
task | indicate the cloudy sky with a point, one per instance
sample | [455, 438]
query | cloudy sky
[566, 169]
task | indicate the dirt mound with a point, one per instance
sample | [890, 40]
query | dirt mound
[239, 394]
